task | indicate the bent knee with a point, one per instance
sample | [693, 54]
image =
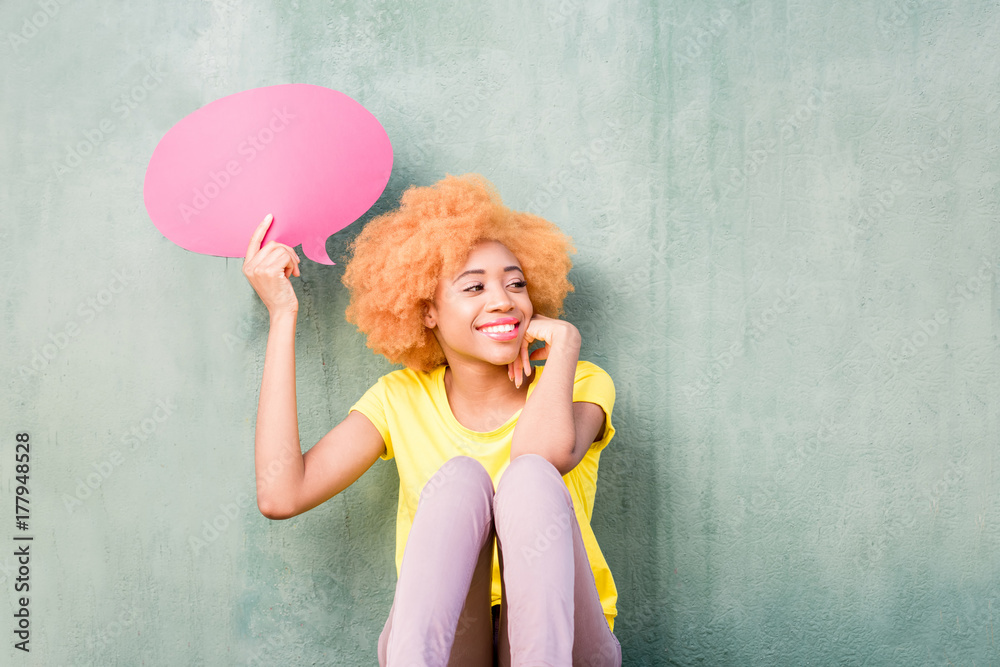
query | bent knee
[532, 470]
[460, 475]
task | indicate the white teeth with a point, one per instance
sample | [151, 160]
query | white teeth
[501, 328]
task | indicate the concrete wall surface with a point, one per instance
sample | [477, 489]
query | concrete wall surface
[786, 221]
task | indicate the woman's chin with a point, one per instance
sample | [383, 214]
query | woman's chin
[502, 362]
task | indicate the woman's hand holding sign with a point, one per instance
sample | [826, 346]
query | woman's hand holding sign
[268, 270]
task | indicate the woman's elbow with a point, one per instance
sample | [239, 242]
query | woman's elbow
[274, 511]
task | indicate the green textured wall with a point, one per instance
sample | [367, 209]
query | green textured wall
[786, 216]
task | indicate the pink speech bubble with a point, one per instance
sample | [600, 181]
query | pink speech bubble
[312, 156]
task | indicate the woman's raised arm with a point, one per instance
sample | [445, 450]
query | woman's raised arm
[289, 483]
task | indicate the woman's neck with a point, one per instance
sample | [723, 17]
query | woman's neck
[482, 400]
[478, 384]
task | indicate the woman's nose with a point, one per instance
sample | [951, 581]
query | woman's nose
[500, 300]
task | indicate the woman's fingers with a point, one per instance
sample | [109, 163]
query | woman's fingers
[539, 328]
[523, 354]
[258, 236]
[514, 371]
[274, 253]
[277, 256]
[520, 368]
[268, 268]
[254, 249]
[257, 255]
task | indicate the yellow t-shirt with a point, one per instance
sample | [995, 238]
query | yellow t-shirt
[411, 410]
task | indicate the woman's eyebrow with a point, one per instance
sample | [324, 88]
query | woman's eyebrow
[483, 272]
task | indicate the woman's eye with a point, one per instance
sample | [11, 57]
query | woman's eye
[476, 287]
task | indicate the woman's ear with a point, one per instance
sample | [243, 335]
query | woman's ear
[430, 315]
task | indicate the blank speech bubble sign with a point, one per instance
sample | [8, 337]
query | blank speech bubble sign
[312, 156]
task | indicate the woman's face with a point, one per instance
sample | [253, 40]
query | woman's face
[481, 312]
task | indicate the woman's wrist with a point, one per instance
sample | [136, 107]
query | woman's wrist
[281, 317]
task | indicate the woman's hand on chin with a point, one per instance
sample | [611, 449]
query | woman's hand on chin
[552, 332]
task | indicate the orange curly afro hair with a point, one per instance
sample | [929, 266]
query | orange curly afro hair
[398, 258]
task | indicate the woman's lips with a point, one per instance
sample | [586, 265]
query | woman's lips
[500, 335]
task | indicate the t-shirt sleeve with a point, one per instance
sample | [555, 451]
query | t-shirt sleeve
[593, 385]
[372, 405]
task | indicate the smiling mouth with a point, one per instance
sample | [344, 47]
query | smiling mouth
[500, 331]
[499, 328]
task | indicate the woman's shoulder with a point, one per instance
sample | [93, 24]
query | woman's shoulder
[410, 378]
[585, 369]
[593, 384]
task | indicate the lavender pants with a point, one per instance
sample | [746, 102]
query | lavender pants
[550, 612]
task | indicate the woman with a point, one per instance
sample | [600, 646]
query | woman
[442, 286]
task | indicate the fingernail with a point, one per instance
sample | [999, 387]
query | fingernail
[269, 218]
